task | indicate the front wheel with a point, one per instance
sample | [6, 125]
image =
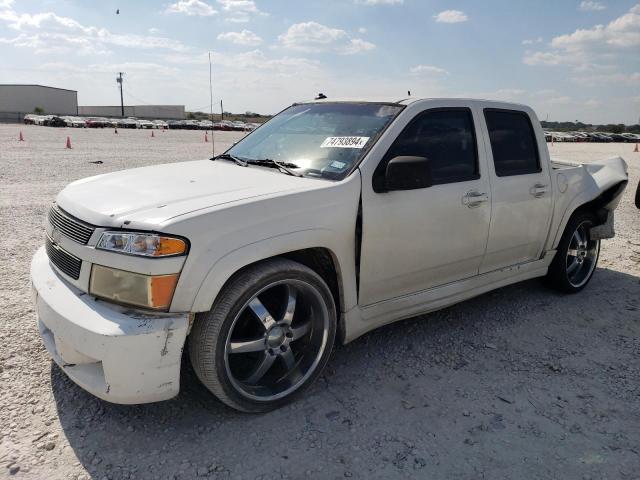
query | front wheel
[576, 257]
[267, 337]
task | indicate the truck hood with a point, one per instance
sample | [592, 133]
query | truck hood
[152, 196]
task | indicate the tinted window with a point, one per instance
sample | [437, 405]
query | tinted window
[446, 138]
[513, 143]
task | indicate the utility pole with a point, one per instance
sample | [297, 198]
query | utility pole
[119, 80]
[221, 111]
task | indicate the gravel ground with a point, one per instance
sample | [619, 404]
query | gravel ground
[518, 383]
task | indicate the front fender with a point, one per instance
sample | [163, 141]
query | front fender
[341, 251]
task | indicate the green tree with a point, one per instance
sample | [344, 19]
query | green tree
[38, 110]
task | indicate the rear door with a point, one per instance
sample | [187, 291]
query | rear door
[521, 192]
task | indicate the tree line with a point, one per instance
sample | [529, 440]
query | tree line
[579, 126]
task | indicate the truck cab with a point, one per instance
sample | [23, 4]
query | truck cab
[330, 220]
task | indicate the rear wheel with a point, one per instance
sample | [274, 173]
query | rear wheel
[576, 257]
[267, 337]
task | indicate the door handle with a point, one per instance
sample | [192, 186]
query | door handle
[474, 199]
[538, 190]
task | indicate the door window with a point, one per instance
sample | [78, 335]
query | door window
[513, 142]
[446, 137]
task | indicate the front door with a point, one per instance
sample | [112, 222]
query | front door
[413, 240]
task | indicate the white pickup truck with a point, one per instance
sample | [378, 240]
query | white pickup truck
[330, 220]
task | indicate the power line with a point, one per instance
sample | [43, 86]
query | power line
[131, 95]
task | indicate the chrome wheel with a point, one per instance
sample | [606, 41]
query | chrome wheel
[277, 339]
[582, 255]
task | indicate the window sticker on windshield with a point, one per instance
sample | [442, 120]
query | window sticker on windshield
[338, 165]
[344, 142]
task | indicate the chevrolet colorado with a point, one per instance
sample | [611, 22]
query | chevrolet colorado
[328, 221]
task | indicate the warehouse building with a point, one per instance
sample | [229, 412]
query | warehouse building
[175, 112]
[18, 100]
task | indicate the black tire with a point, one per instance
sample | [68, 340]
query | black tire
[560, 276]
[210, 339]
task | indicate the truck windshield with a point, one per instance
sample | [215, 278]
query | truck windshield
[317, 139]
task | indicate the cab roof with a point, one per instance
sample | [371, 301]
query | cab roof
[410, 100]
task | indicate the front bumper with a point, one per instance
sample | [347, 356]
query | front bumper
[116, 353]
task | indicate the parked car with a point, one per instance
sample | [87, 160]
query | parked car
[563, 137]
[630, 137]
[598, 137]
[74, 122]
[54, 121]
[145, 124]
[127, 123]
[42, 119]
[160, 124]
[30, 119]
[96, 122]
[616, 137]
[265, 256]
[224, 125]
[580, 136]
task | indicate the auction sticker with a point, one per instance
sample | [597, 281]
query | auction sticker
[344, 142]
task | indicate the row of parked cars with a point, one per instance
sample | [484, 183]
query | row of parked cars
[599, 137]
[226, 125]
[132, 122]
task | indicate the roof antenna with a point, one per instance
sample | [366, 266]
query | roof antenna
[320, 96]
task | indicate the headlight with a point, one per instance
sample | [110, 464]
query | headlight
[145, 291]
[144, 244]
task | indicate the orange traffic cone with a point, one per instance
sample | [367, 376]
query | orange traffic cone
[152, 134]
[635, 149]
[21, 138]
[68, 143]
[206, 137]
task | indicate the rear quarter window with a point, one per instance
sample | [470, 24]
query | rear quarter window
[513, 142]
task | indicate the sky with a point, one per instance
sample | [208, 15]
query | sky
[569, 59]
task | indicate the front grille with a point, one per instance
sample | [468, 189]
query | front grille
[66, 262]
[69, 226]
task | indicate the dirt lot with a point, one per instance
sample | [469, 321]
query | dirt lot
[520, 383]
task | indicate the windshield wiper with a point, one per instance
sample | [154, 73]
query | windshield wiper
[282, 166]
[228, 156]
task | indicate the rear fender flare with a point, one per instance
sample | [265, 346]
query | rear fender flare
[607, 201]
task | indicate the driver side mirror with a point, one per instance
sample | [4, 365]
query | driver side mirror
[408, 173]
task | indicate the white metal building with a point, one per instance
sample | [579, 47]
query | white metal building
[18, 100]
[139, 111]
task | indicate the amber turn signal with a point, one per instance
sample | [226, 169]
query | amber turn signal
[129, 288]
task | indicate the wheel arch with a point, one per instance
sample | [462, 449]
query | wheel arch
[336, 269]
[601, 206]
